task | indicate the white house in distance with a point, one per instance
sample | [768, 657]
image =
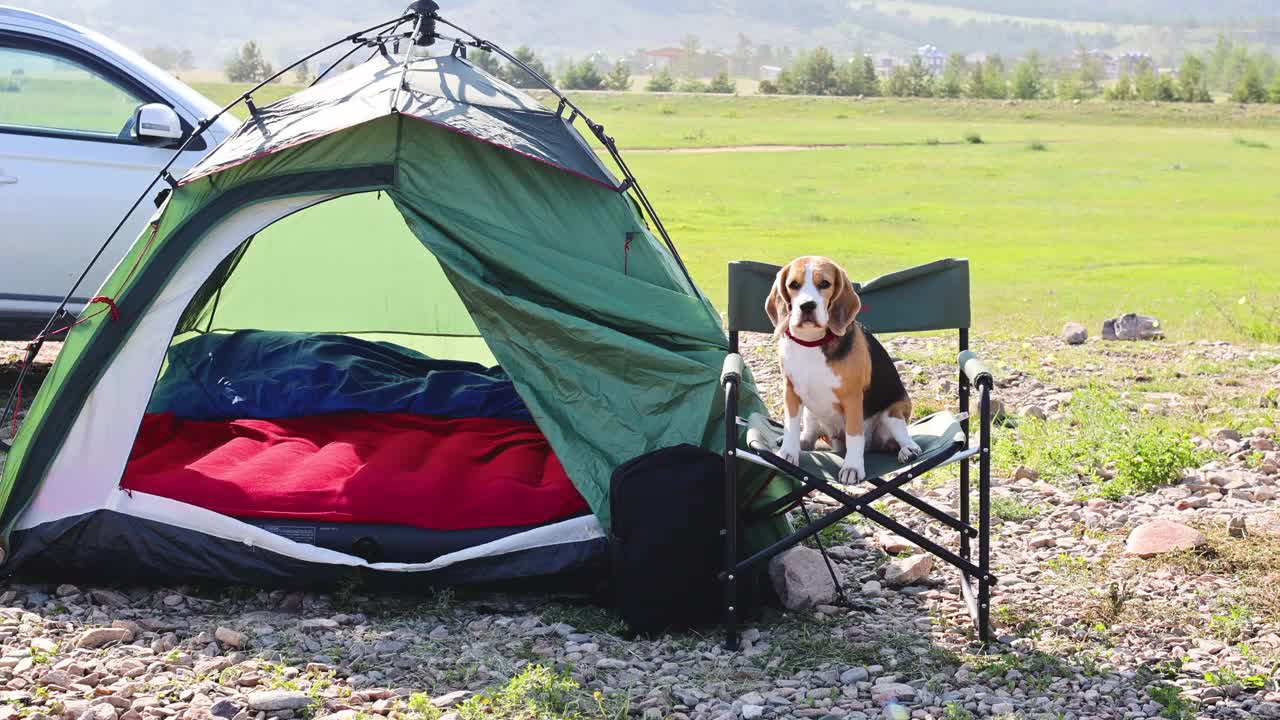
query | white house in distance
[933, 58]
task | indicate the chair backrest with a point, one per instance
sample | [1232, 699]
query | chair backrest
[926, 297]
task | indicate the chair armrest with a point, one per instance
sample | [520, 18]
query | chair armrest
[732, 368]
[976, 370]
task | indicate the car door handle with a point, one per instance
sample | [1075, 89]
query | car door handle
[8, 180]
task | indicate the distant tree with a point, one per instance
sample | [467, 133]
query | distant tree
[517, 76]
[721, 84]
[1219, 61]
[1166, 89]
[1089, 77]
[170, 59]
[302, 73]
[1193, 80]
[1145, 82]
[1068, 87]
[1028, 79]
[486, 61]
[768, 87]
[690, 44]
[818, 73]
[764, 56]
[921, 78]
[1275, 90]
[1250, 88]
[976, 85]
[853, 79]
[691, 85]
[952, 85]
[910, 80]
[662, 81]
[871, 82]
[1237, 66]
[742, 56]
[248, 65]
[898, 84]
[1122, 90]
[582, 76]
[997, 80]
[620, 78]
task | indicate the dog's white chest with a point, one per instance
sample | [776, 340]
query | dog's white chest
[812, 378]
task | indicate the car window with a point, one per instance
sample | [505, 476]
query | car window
[48, 92]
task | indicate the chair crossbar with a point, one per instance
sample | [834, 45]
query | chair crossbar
[850, 505]
[936, 513]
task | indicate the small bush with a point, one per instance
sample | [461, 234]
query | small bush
[722, 85]
[1037, 146]
[932, 141]
[1011, 510]
[973, 138]
[1155, 459]
[1169, 697]
[535, 693]
[768, 87]
[691, 85]
[1255, 144]
[1252, 317]
[1146, 451]
[661, 82]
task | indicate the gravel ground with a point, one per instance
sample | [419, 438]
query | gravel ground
[1086, 630]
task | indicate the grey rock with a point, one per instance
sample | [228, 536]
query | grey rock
[854, 675]
[906, 571]
[448, 700]
[1074, 333]
[225, 708]
[97, 637]
[1132, 326]
[801, 579]
[884, 692]
[275, 700]
[749, 712]
[230, 638]
[1159, 537]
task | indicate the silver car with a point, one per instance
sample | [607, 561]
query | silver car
[85, 124]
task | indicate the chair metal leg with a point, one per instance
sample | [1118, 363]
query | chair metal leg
[984, 513]
[730, 530]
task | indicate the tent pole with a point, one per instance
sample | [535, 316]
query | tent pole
[630, 181]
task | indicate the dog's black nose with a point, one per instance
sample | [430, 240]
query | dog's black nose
[808, 306]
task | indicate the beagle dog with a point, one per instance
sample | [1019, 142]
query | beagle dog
[835, 370]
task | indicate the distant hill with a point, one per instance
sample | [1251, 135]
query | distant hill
[569, 28]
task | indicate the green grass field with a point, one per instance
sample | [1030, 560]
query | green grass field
[1172, 210]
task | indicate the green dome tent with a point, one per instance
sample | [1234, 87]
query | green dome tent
[417, 203]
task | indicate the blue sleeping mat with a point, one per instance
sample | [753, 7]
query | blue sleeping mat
[267, 374]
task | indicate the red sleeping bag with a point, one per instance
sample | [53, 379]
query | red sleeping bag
[392, 468]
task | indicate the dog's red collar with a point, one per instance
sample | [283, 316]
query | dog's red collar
[810, 343]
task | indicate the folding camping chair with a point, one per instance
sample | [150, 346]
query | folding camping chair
[925, 298]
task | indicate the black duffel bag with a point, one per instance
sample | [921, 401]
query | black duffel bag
[666, 544]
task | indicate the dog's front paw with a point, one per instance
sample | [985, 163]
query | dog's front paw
[853, 471]
[908, 451]
[790, 450]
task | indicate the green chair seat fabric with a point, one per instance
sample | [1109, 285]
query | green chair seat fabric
[936, 434]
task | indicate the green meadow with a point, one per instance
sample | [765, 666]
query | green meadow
[1067, 212]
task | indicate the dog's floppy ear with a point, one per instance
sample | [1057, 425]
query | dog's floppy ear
[777, 305]
[844, 304]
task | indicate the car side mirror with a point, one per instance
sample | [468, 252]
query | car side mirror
[156, 123]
